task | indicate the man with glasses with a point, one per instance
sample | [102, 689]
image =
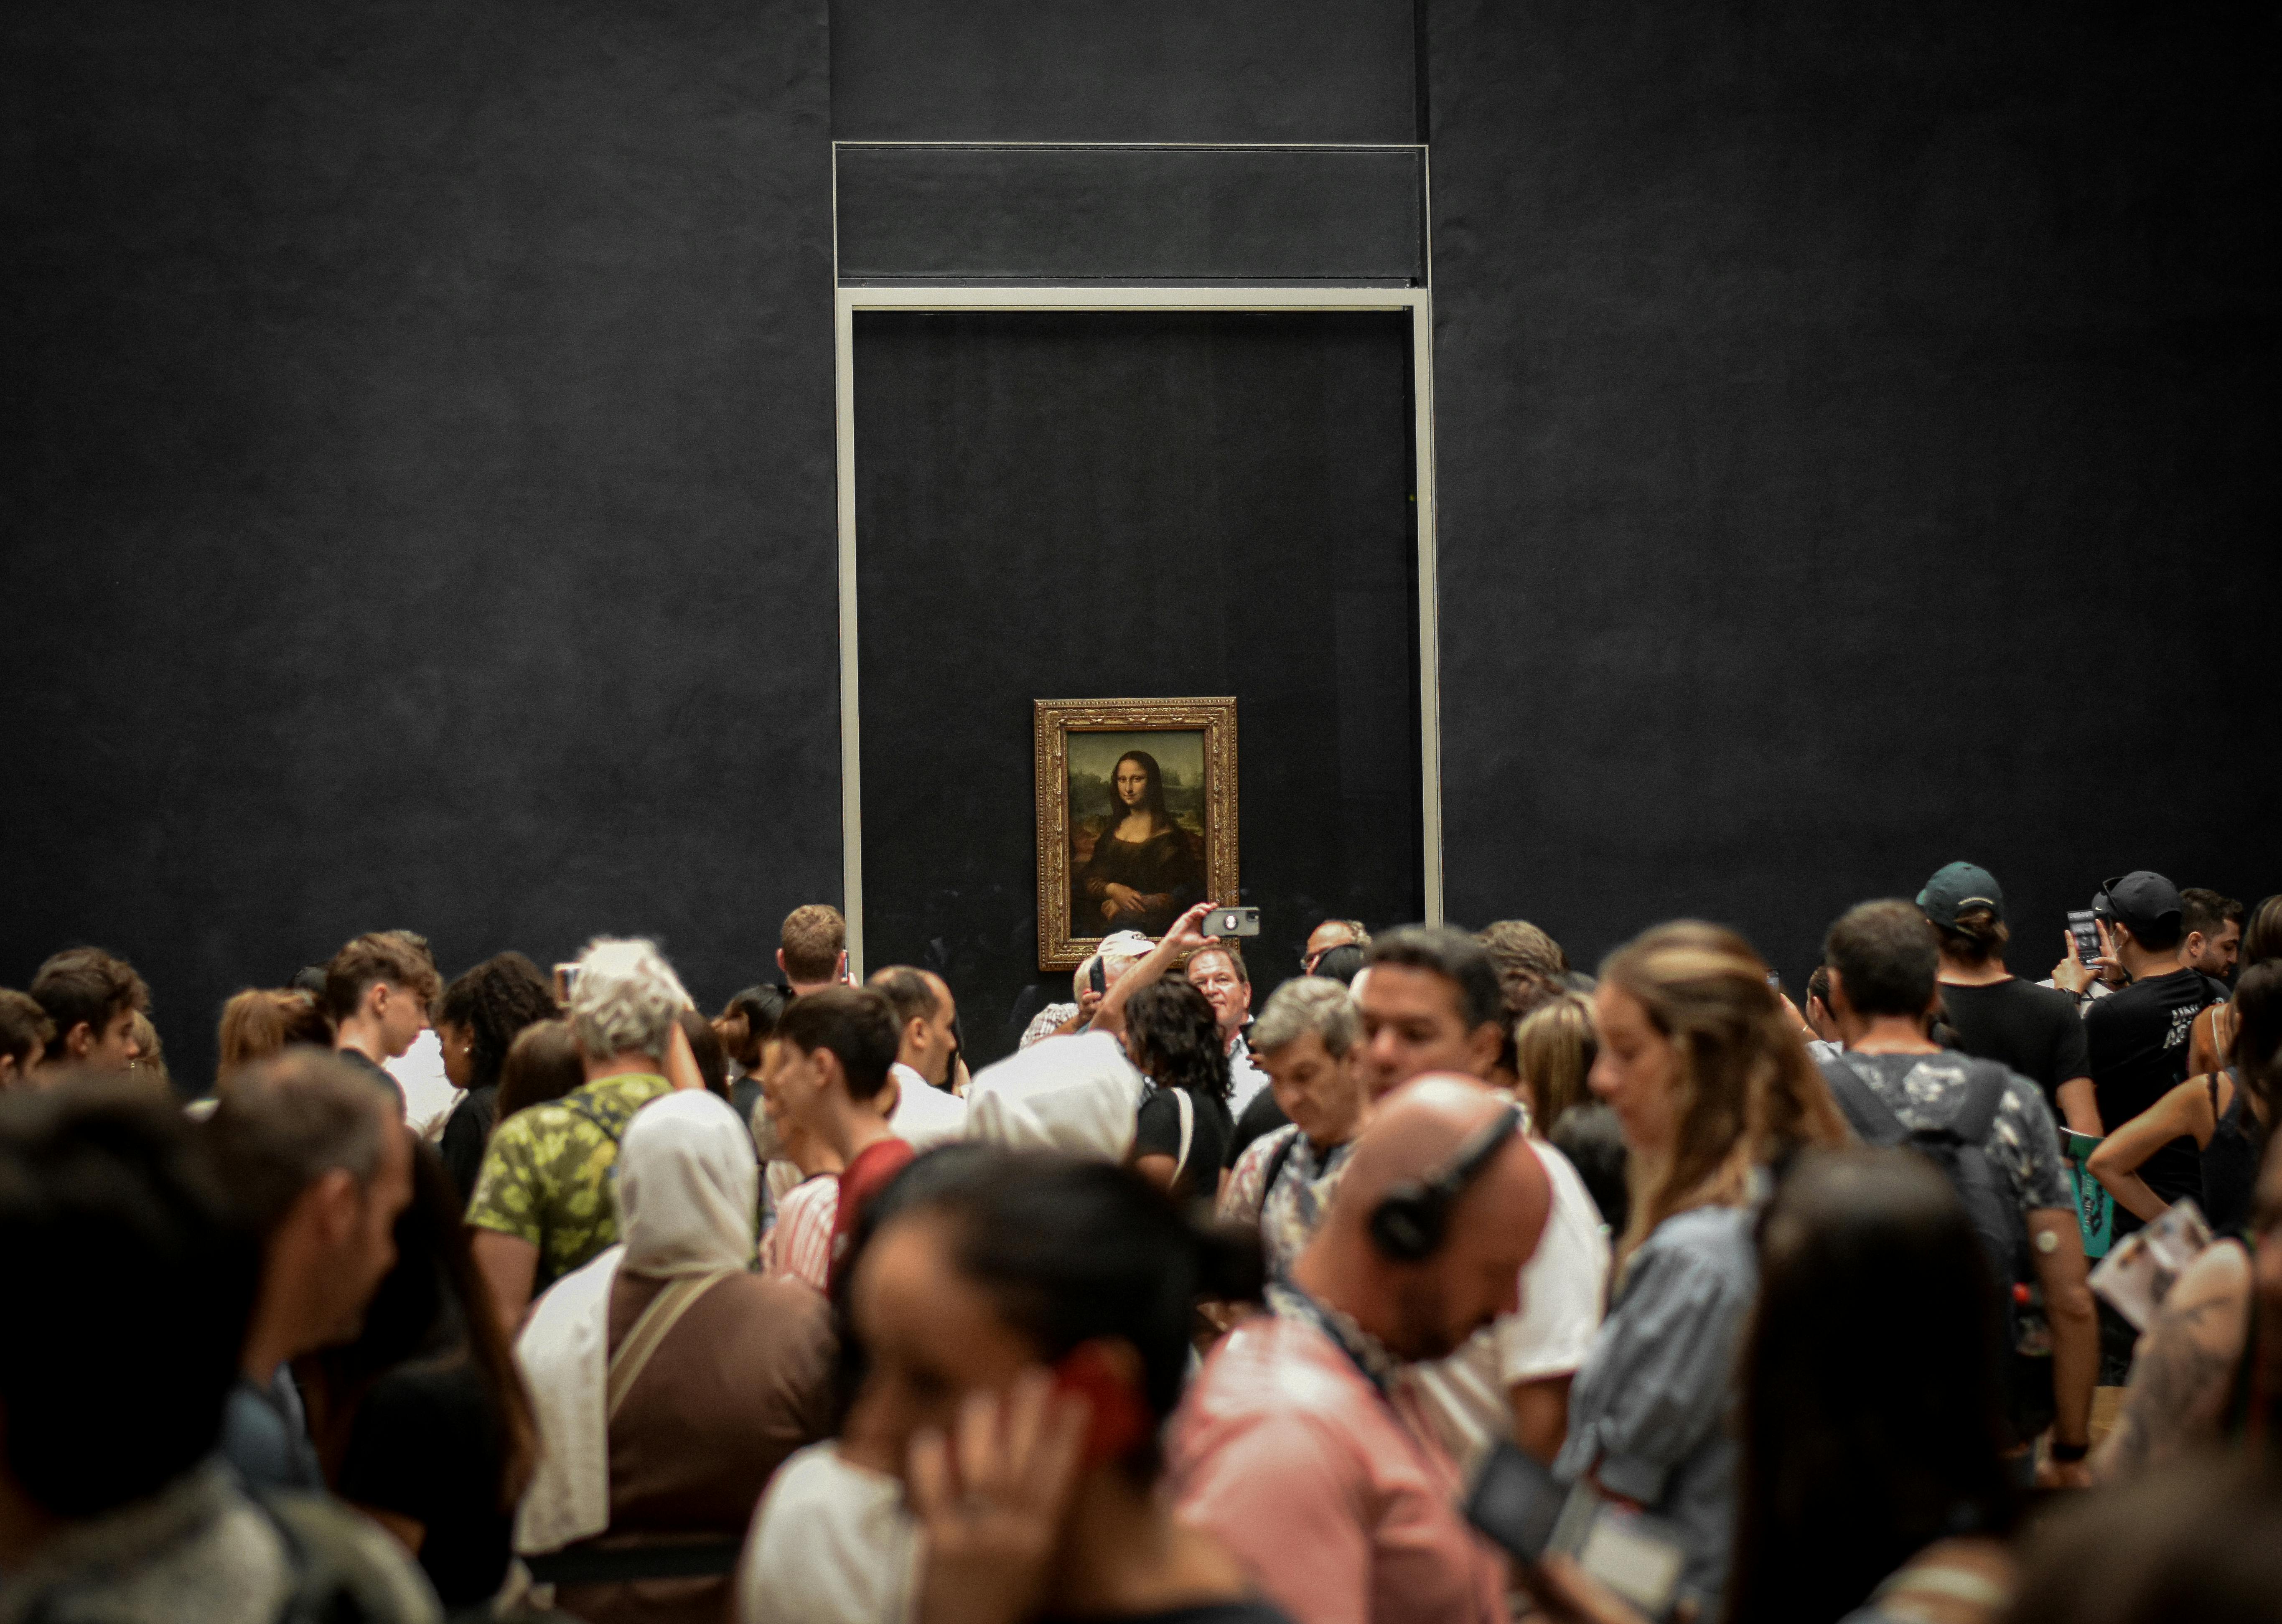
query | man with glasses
[1330, 934]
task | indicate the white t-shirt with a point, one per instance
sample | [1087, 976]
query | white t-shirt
[429, 1095]
[1244, 1079]
[831, 1543]
[1563, 1284]
[926, 1117]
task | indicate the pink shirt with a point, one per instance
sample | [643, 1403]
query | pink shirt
[1336, 1501]
[800, 1247]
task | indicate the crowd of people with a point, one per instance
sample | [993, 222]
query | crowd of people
[1441, 1281]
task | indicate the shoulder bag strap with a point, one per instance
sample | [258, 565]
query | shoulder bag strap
[656, 1324]
[1275, 1163]
[1984, 1097]
[1188, 1109]
[1872, 1119]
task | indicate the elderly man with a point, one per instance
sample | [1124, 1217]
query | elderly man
[543, 1203]
[1297, 1445]
[1330, 934]
[1307, 1039]
[1217, 970]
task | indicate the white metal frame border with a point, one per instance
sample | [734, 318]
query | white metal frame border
[1417, 302]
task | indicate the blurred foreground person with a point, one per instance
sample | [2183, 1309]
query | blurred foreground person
[2199, 1543]
[1873, 1485]
[1711, 1083]
[422, 1422]
[1024, 1320]
[320, 1165]
[113, 1508]
[670, 1380]
[1299, 1444]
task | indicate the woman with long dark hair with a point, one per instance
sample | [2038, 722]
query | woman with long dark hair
[423, 1421]
[1144, 868]
[1043, 1302]
[1174, 1040]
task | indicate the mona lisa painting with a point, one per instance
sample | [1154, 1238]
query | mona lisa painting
[1136, 817]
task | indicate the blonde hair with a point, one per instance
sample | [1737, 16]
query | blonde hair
[1744, 1090]
[1553, 1047]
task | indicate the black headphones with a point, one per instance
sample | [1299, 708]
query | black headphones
[1411, 1219]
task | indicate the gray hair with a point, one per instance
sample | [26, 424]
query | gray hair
[281, 1123]
[627, 999]
[1305, 1004]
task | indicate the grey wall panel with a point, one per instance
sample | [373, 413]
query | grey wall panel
[419, 502]
[1177, 70]
[1076, 215]
[1857, 451]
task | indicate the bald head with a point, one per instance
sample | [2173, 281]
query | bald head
[1425, 1309]
[925, 1013]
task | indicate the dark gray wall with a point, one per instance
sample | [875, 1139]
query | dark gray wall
[419, 490]
[1857, 441]
[1856, 449]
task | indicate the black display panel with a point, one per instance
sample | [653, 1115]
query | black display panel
[1083, 505]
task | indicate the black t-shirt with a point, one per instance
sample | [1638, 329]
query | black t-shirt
[1261, 1118]
[426, 1445]
[466, 1133]
[2137, 1042]
[1159, 1133]
[2032, 1030]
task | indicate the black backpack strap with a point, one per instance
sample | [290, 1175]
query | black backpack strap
[1984, 1096]
[1872, 1119]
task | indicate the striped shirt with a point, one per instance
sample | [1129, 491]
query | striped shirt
[800, 1246]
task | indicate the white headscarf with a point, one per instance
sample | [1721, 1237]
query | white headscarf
[688, 1193]
[688, 1189]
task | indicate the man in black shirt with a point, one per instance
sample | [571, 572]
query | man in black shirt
[2033, 1030]
[2137, 1039]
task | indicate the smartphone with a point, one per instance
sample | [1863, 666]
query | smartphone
[1518, 1503]
[1231, 922]
[1096, 977]
[2083, 926]
[566, 982]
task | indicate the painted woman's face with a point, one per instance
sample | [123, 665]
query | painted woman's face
[1132, 783]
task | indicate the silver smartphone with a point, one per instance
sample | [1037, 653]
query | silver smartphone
[1231, 922]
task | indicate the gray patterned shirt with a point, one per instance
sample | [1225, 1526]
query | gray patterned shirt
[1926, 1091]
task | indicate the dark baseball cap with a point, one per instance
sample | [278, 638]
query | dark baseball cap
[1958, 886]
[2141, 899]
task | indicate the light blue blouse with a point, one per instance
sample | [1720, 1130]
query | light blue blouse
[1652, 1412]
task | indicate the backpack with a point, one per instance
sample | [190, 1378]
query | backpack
[1958, 1151]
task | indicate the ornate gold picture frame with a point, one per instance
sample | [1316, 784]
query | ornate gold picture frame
[1136, 817]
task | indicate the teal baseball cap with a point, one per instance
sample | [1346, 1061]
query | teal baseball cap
[1957, 887]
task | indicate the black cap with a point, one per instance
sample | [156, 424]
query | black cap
[1958, 886]
[2142, 899]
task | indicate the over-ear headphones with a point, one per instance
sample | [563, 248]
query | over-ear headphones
[1411, 1219]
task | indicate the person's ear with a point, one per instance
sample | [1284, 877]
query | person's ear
[335, 1202]
[915, 1031]
[781, 963]
[78, 1040]
[1484, 1047]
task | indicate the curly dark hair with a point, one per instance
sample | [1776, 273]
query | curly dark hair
[494, 1001]
[1176, 1040]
